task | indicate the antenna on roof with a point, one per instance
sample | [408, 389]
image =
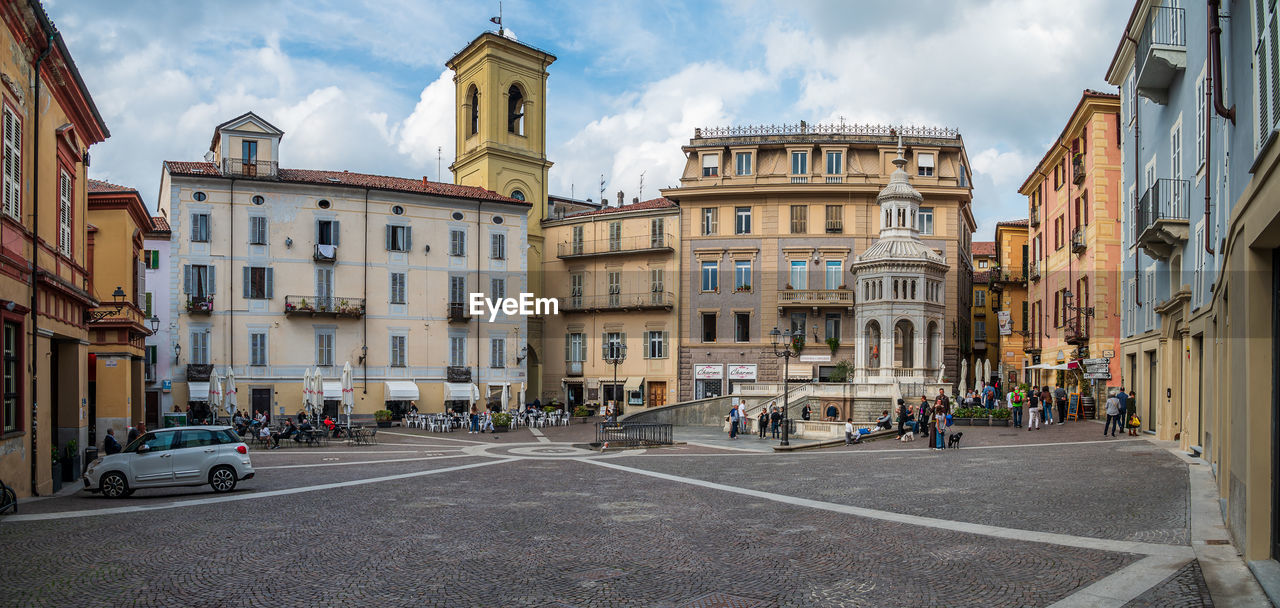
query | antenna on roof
[641, 193]
[498, 20]
[439, 174]
[602, 188]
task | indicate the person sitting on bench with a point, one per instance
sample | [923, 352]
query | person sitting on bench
[884, 420]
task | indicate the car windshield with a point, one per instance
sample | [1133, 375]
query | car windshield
[155, 441]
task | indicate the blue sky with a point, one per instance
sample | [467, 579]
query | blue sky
[362, 86]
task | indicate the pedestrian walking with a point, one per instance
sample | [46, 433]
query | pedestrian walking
[939, 427]
[1046, 406]
[1132, 420]
[989, 396]
[1113, 416]
[763, 422]
[1060, 396]
[924, 417]
[475, 420]
[775, 419]
[1014, 401]
[1033, 411]
[734, 417]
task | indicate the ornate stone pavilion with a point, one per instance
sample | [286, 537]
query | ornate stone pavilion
[900, 310]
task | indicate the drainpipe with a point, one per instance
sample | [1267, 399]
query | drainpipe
[364, 319]
[231, 285]
[479, 289]
[35, 257]
[1213, 91]
[1137, 190]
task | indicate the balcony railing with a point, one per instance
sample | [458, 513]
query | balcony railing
[1077, 169]
[251, 168]
[1035, 217]
[322, 305]
[1161, 52]
[325, 253]
[1161, 222]
[1078, 243]
[619, 301]
[815, 297]
[1033, 270]
[835, 226]
[458, 312]
[199, 372]
[835, 179]
[622, 245]
[573, 368]
[1076, 330]
[799, 180]
[199, 305]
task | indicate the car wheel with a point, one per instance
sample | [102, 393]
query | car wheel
[223, 479]
[114, 485]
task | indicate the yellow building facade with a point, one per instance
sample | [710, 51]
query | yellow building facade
[615, 273]
[1009, 286]
[985, 305]
[49, 123]
[119, 327]
[274, 271]
[501, 138]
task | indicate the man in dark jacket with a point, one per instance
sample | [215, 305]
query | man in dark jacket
[110, 445]
[1060, 396]
[775, 418]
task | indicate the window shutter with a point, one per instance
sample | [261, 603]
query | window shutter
[568, 347]
[408, 238]
[247, 282]
[148, 303]
[213, 275]
[604, 340]
[666, 339]
[387, 238]
[271, 279]
[336, 228]
[186, 278]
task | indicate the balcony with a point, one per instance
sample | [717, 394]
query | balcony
[1077, 170]
[458, 312]
[199, 305]
[1076, 330]
[815, 298]
[1033, 271]
[648, 300]
[457, 373]
[325, 253]
[645, 243]
[573, 368]
[265, 169]
[324, 306]
[1161, 52]
[1078, 243]
[835, 226]
[1035, 217]
[799, 179]
[199, 372]
[1160, 225]
[1000, 275]
[835, 180]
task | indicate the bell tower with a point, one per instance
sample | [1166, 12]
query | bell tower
[500, 126]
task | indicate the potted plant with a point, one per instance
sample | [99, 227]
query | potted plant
[742, 289]
[71, 461]
[798, 343]
[834, 343]
[501, 422]
[383, 418]
[581, 413]
[304, 306]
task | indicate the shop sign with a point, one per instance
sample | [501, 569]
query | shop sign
[744, 371]
[708, 372]
[815, 358]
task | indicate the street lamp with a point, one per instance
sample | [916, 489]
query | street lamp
[785, 340]
[106, 310]
[155, 323]
[614, 355]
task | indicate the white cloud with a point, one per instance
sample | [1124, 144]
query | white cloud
[431, 125]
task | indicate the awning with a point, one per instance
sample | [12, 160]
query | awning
[461, 391]
[800, 372]
[571, 380]
[633, 384]
[397, 391]
[199, 391]
[333, 391]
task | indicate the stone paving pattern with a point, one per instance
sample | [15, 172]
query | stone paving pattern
[1184, 589]
[569, 533]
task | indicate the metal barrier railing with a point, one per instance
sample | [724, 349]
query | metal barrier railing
[633, 434]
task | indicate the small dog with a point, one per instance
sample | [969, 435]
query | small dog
[908, 436]
[954, 440]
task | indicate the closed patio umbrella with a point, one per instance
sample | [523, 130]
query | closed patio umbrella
[306, 388]
[348, 392]
[229, 395]
[317, 395]
[215, 395]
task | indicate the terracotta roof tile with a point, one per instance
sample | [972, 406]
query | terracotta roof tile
[983, 276]
[97, 185]
[653, 203]
[159, 224]
[1021, 222]
[983, 248]
[359, 180]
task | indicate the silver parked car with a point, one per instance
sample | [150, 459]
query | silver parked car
[180, 456]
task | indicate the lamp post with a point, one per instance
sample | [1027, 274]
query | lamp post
[784, 339]
[155, 324]
[106, 310]
[615, 355]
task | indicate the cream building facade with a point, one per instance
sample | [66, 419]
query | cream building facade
[773, 217]
[615, 272]
[273, 271]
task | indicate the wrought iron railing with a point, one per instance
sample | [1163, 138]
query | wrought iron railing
[619, 301]
[632, 434]
[200, 305]
[1076, 329]
[1078, 243]
[457, 373]
[458, 312]
[1167, 199]
[325, 253]
[250, 168]
[1166, 26]
[337, 306]
[804, 128]
[835, 226]
[1033, 270]
[1035, 216]
[626, 244]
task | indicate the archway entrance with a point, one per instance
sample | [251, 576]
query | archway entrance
[871, 337]
[904, 336]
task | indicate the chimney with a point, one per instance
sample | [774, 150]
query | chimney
[619, 198]
[425, 182]
[635, 199]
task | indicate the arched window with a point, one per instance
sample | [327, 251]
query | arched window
[517, 194]
[871, 337]
[515, 110]
[904, 337]
[473, 107]
[913, 289]
[935, 338]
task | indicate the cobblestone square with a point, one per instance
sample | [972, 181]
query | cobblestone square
[525, 519]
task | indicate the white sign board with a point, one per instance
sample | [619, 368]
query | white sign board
[1006, 323]
[815, 358]
[1097, 375]
[708, 372]
[1103, 361]
[742, 371]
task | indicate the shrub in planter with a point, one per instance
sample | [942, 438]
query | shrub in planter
[501, 422]
[581, 412]
[383, 418]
